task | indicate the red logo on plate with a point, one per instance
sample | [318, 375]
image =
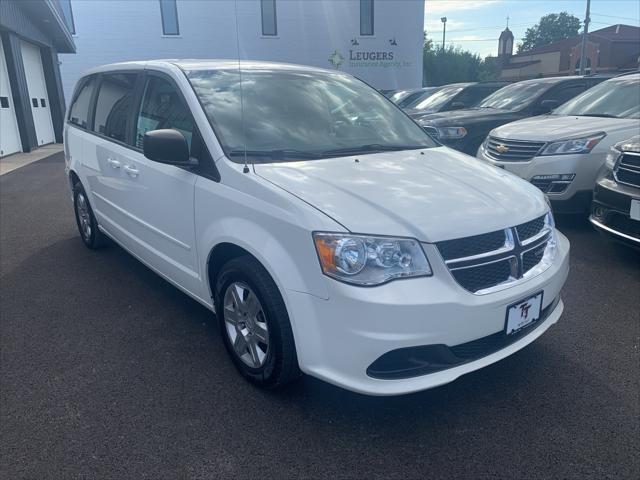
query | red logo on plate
[524, 310]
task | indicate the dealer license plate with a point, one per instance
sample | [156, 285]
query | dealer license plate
[523, 313]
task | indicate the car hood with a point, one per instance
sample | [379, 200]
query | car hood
[439, 195]
[415, 113]
[549, 128]
[465, 117]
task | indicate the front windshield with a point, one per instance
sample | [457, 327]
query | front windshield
[399, 95]
[294, 115]
[412, 100]
[619, 98]
[433, 102]
[516, 96]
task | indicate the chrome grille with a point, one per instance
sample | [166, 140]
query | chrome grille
[627, 170]
[512, 150]
[493, 261]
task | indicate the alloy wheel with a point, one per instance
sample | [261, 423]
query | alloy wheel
[246, 324]
[84, 217]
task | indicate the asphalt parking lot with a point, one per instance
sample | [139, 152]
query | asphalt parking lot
[108, 371]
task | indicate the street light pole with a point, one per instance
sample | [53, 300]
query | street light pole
[585, 33]
[444, 30]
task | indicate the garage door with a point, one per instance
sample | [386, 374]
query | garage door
[9, 134]
[37, 93]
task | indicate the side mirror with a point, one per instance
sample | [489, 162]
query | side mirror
[547, 106]
[457, 106]
[167, 146]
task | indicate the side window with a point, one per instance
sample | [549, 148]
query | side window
[113, 105]
[162, 107]
[472, 96]
[566, 93]
[79, 111]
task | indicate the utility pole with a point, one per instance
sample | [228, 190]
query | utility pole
[585, 33]
[444, 30]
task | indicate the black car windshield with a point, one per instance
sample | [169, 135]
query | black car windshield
[516, 96]
[433, 102]
[616, 98]
[301, 115]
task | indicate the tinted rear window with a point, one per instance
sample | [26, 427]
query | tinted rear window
[79, 111]
[113, 106]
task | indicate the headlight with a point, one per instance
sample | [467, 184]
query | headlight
[552, 243]
[365, 260]
[573, 145]
[631, 145]
[612, 157]
[451, 133]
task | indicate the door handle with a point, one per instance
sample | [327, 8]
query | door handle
[113, 163]
[132, 171]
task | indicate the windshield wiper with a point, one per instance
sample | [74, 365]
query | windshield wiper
[281, 154]
[603, 115]
[371, 147]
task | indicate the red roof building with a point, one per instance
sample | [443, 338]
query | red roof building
[611, 49]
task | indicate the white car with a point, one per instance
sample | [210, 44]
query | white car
[327, 231]
[562, 153]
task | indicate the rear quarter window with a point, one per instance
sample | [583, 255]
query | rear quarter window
[113, 106]
[79, 111]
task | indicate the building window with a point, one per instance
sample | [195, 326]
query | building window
[67, 12]
[366, 17]
[169, 12]
[269, 22]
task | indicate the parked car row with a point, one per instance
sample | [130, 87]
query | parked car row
[562, 152]
[556, 133]
[616, 198]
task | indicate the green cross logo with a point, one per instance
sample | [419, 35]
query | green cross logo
[336, 59]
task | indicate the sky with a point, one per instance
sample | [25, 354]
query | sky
[475, 25]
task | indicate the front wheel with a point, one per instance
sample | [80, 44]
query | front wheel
[254, 323]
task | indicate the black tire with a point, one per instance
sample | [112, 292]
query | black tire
[91, 236]
[280, 363]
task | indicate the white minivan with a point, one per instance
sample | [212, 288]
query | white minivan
[324, 227]
[562, 152]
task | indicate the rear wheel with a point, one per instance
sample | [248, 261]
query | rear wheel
[254, 323]
[91, 236]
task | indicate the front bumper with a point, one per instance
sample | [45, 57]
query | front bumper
[576, 197]
[339, 338]
[611, 211]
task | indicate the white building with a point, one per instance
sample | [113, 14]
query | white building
[380, 41]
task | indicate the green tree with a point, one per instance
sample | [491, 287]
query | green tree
[489, 70]
[450, 66]
[551, 28]
[454, 65]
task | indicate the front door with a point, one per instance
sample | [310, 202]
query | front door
[159, 197]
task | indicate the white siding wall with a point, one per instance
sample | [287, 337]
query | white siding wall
[309, 32]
